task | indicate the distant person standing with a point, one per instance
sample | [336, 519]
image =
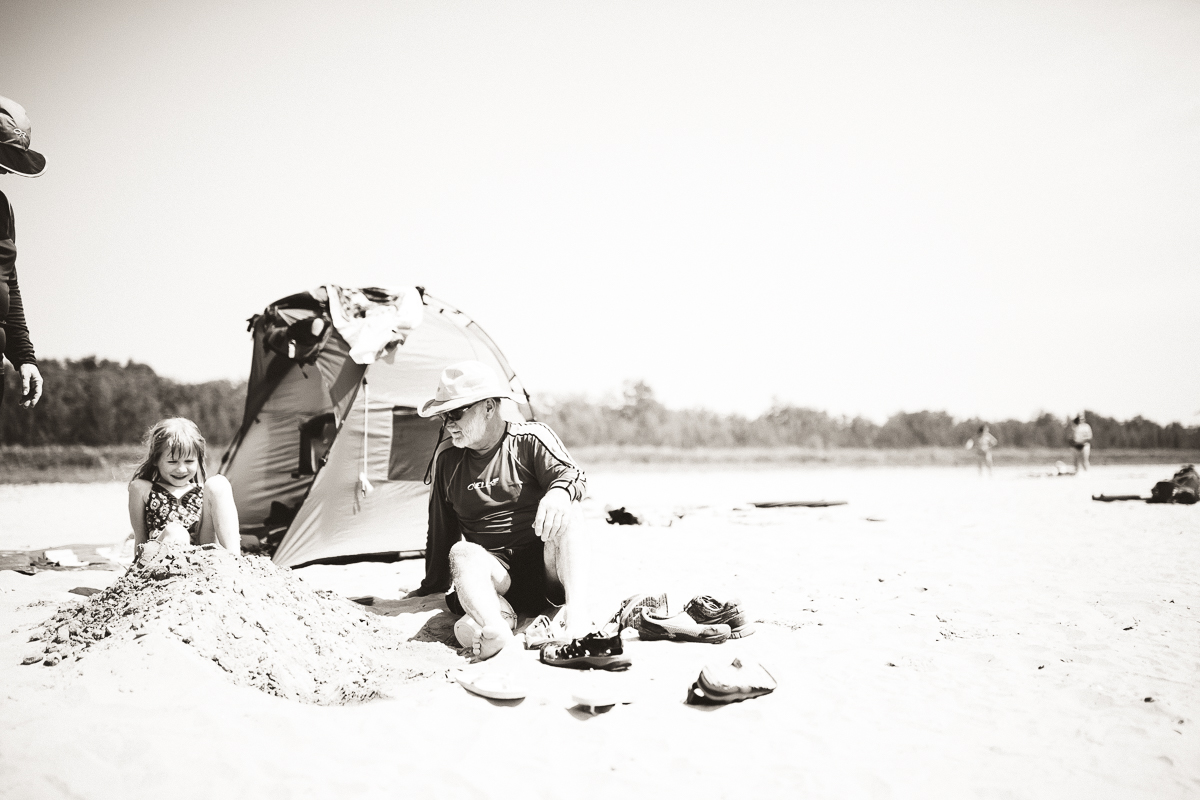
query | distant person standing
[1081, 440]
[982, 444]
[15, 158]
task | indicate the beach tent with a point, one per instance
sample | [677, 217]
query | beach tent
[331, 453]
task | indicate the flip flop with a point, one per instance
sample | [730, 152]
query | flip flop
[721, 683]
[492, 685]
[592, 700]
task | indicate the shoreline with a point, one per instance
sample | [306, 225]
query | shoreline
[115, 463]
[634, 456]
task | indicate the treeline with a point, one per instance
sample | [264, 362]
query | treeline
[639, 419]
[98, 402]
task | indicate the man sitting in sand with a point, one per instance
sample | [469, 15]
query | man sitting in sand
[500, 512]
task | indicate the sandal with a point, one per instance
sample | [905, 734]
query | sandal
[594, 651]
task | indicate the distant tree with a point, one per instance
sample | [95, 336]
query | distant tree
[799, 427]
[99, 402]
[918, 429]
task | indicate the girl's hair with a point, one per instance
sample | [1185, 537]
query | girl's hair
[983, 427]
[177, 436]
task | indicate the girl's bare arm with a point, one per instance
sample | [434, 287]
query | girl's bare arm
[139, 491]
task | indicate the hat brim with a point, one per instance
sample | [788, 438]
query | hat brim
[25, 163]
[433, 407]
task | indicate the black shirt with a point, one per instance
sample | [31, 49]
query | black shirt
[14, 333]
[492, 498]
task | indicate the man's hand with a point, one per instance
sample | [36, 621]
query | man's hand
[553, 515]
[31, 385]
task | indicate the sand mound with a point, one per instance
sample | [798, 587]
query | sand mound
[258, 622]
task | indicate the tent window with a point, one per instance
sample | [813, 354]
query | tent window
[316, 437]
[413, 440]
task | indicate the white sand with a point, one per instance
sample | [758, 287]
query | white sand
[1003, 606]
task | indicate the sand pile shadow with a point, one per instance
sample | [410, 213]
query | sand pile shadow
[258, 622]
[438, 628]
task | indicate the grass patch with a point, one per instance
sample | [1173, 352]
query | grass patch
[69, 463]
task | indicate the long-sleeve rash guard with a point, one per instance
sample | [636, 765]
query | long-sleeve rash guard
[491, 498]
[14, 333]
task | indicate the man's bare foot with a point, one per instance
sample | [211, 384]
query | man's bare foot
[492, 640]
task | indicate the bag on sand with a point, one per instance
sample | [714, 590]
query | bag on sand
[1183, 488]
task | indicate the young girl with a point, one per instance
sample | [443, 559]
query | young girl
[171, 498]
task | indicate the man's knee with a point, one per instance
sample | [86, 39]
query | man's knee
[464, 553]
[563, 552]
[467, 558]
[568, 542]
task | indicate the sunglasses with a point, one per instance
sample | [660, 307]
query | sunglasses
[456, 414]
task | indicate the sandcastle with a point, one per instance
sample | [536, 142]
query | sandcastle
[258, 622]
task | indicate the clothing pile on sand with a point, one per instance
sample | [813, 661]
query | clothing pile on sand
[1183, 488]
[258, 622]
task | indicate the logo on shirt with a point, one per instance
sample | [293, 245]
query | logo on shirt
[483, 484]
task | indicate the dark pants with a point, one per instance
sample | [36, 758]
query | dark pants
[529, 592]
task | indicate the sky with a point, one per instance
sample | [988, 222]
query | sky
[989, 208]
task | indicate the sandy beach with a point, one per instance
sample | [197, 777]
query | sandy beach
[941, 635]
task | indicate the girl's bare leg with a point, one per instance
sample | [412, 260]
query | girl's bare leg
[218, 518]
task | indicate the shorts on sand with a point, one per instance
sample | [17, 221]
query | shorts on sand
[529, 593]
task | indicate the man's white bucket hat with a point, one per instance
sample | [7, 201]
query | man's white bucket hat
[464, 384]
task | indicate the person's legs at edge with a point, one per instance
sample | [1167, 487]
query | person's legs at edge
[480, 579]
[218, 517]
[1083, 455]
[988, 458]
[565, 566]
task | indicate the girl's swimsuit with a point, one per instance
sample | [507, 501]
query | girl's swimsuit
[163, 507]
